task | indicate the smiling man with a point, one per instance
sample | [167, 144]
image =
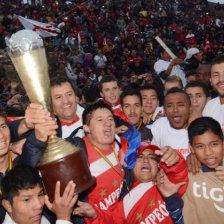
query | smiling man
[65, 107]
[215, 107]
[110, 91]
[172, 130]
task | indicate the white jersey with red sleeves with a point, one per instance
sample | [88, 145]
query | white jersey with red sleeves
[215, 109]
[165, 135]
[108, 182]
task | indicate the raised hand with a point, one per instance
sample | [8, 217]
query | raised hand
[63, 205]
[168, 155]
[165, 186]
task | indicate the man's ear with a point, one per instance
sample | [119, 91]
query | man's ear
[101, 94]
[7, 205]
[192, 150]
[86, 128]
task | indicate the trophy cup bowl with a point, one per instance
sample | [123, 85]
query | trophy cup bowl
[61, 160]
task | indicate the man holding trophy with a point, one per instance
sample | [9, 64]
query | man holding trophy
[61, 160]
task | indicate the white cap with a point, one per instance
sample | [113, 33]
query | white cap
[191, 52]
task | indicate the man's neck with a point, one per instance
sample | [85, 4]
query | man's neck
[221, 100]
[4, 163]
[70, 121]
[112, 105]
[98, 145]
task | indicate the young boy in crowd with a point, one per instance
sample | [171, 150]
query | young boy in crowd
[23, 198]
[203, 200]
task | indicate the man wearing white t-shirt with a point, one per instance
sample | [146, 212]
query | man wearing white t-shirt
[215, 107]
[172, 130]
[164, 67]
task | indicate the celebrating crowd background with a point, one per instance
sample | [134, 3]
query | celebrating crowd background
[102, 37]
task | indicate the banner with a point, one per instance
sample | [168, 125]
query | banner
[43, 29]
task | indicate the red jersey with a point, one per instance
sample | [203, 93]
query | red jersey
[108, 182]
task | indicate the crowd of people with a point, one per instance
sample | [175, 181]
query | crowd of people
[151, 122]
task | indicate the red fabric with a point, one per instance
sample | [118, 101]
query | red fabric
[148, 204]
[177, 173]
[108, 182]
[8, 119]
[69, 124]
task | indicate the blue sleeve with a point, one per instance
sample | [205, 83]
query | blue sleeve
[174, 206]
[32, 150]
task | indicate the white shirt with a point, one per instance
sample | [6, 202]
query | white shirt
[100, 61]
[215, 109]
[8, 220]
[165, 135]
[162, 65]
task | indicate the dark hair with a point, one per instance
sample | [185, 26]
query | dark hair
[203, 124]
[19, 178]
[178, 90]
[3, 113]
[150, 87]
[88, 112]
[218, 60]
[78, 92]
[91, 94]
[174, 78]
[191, 73]
[107, 78]
[58, 80]
[130, 92]
[198, 84]
[161, 50]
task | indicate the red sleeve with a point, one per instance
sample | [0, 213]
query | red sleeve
[114, 215]
[124, 144]
[177, 173]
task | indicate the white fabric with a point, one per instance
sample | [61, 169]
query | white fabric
[100, 166]
[43, 29]
[134, 196]
[162, 65]
[8, 220]
[165, 135]
[100, 61]
[191, 52]
[215, 109]
[67, 130]
[158, 109]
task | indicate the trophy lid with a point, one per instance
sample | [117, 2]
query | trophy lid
[24, 41]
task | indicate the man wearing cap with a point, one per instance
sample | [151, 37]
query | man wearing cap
[164, 67]
[143, 203]
[192, 60]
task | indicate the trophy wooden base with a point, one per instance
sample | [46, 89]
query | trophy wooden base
[72, 167]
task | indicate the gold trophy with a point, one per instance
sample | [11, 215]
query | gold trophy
[60, 160]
